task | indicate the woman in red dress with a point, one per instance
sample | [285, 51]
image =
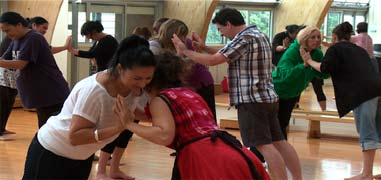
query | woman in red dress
[182, 120]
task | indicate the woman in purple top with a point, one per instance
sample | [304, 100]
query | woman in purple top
[40, 82]
[199, 77]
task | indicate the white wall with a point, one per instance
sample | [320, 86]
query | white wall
[374, 22]
[59, 38]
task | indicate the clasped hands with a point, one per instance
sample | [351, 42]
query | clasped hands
[305, 56]
[125, 115]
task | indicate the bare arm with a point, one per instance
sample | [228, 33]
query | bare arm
[82, 131]
[162, 130]
[206, 59]
[308, 60]
[200, 44]
[13, 64]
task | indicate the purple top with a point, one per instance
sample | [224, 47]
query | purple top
[200, 75]
[40, 83]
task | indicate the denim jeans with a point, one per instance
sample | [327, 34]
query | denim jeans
[368, 123]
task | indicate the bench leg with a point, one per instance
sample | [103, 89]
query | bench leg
[314, 129]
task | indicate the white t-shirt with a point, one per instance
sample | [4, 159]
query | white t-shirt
[90, 100]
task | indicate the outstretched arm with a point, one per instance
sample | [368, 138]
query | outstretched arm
[206, 59]
[162, 130]
[308, 60]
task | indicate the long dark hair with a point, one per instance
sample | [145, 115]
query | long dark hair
[132, 52]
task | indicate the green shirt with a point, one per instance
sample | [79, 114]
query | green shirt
[290, 77]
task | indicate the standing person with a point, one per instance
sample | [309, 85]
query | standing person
[282, 41]
[363, 40]
[182, 120]
[357, 87]
[292, 76]
[41, 25]
[64, 147]
[40, 83]
[103, 47]
[280, 44]
[8, 92]
[103, 50]
[250, 89]
[199, 78]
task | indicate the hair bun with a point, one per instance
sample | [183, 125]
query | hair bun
[346, 27]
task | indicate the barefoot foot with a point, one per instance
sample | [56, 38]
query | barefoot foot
[118, 174]
[361, 177]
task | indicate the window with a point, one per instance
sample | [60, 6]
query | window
[262, 18]
[352, 11]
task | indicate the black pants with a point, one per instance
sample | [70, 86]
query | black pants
[284, 113]
[41, 163]
[207, 93]
[7, 99]
[43, 113]
[317, 84]
[121, 141]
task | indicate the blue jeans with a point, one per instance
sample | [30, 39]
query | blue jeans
[368, 123]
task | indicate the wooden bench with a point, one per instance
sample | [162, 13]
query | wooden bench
[314, 118]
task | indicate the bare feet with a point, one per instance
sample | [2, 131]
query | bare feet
[361, 177]
[102, 177]
[118, 174]
[377, 177]
[9, 132]
[6, 138]
[109, 163]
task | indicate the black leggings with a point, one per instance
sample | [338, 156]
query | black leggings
[41, 163]
[121, 141]
[7, 99]
[207, 93]
[284, 113]
[317, 84]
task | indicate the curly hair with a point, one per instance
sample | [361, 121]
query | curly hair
[169, 73]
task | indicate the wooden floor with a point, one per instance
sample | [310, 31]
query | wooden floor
[322, 159]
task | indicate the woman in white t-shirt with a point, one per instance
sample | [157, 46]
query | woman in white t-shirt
[63, 148]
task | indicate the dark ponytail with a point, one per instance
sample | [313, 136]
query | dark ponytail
[132, 52]
[38, 20]
[343, 31]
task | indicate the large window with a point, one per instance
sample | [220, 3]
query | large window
[352, 11]
[262, 18]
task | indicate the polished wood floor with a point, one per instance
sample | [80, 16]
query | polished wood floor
[321, 159]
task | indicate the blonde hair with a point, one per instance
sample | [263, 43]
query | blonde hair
[305, 34]
[166, 31]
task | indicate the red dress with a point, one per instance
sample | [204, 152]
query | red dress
[198, 157]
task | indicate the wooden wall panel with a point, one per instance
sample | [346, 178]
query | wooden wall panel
[308, 12]
[49, 9]
[195, 13]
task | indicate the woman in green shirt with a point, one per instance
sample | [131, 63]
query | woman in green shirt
[292, 75]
